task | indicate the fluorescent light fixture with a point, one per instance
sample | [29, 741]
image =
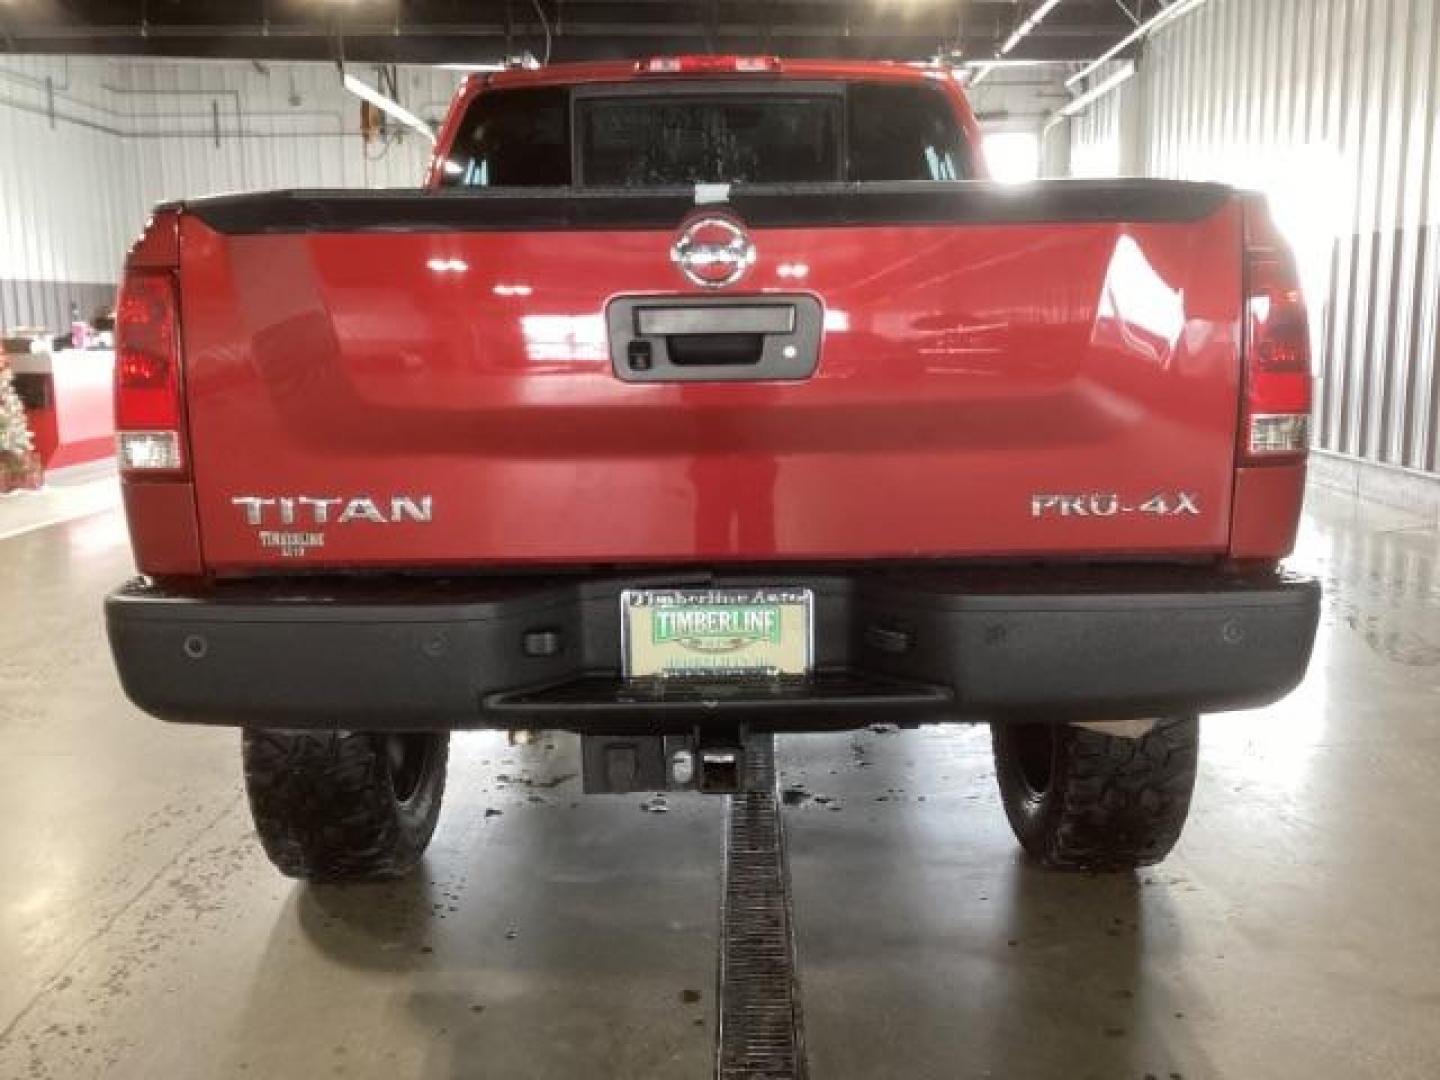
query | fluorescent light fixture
[980, 75]
[471, 67]
[368, 93]
[985, 70]
[1162, 18]
[1095, 93]
[1023, 30]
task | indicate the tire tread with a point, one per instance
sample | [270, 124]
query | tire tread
[325, 809]
[1113, 803]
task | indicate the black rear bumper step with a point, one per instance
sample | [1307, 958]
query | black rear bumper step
[827, 700]
[1106, 643]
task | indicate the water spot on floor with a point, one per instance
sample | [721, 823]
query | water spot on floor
[1399, 645]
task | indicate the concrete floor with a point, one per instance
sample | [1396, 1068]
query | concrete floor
[1295, 932]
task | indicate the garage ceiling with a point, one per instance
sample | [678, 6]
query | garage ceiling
[434, 31]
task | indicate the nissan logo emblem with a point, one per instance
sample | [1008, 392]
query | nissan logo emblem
[713, 252]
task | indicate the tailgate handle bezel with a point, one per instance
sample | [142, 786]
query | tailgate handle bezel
[770, 338]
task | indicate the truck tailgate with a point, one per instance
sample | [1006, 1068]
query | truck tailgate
[426, 380]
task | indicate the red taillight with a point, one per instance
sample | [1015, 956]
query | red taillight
[1276, 419]
[706, 65]
[147, 373]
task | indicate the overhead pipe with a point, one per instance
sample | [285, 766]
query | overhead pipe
[7, 102]
[1095, 93]
[128, 124]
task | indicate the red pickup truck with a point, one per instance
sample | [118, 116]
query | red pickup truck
[698, 397]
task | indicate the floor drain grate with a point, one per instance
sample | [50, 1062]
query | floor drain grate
[760, 1035]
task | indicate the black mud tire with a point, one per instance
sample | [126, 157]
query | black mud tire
[345, 806]
[1081, 800]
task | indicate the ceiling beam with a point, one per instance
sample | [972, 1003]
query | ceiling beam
[426, 31]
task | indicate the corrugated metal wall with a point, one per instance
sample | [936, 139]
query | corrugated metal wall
[1099, 140]
[87, 146]
[1333, 108]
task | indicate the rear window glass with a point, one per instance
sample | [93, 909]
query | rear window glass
[869, 132]
[514, 138]
[904, 133]
[730, 138]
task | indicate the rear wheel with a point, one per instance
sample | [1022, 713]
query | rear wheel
[345, 806]
[1085, 799]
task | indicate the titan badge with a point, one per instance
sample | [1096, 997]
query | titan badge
[302, 517]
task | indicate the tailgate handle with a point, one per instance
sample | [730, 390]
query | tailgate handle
[678, 321]
[714, 339]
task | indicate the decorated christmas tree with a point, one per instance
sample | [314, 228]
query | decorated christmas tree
[18, 466]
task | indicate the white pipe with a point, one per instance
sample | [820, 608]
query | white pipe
[393, 108]
[1144, 30]
[1095, 93]
[997, 62]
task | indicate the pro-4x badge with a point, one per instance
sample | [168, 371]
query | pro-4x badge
[1109, 504]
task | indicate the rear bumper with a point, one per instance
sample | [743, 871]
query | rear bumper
[919, 646]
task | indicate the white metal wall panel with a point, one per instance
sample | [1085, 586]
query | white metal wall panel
[61, 183]
[1096, 136]
[1332, 107]
[88, 145]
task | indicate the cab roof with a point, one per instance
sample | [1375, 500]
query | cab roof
[775, 67]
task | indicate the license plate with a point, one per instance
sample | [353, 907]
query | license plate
[716, 633]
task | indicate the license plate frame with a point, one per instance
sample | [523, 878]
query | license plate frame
[717, 634]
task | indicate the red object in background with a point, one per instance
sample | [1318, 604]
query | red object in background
[70, 405]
